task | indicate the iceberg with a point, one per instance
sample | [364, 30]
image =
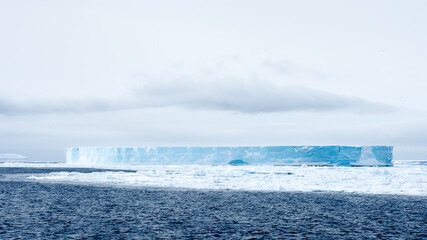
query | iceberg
[10, 157]
[256, 155]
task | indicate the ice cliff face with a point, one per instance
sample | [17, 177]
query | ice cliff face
[268, 155]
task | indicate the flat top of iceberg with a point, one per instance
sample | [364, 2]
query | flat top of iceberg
[225, 146]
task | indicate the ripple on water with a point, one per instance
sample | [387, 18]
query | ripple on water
[52, 211]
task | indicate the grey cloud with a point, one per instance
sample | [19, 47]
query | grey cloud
[8, 107]
[290, 68]
[249, 96]
[237, 95]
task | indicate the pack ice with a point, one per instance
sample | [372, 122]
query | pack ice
[258, 155]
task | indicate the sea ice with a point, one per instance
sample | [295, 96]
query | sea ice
[405, 178]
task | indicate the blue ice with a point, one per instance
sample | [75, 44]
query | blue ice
[256, 155]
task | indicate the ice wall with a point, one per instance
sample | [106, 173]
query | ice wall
[267, 155]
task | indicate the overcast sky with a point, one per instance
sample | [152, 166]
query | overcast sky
[209, 73]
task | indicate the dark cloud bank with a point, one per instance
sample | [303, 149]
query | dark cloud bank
[243, 97]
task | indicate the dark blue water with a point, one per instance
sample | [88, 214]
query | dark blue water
[26, 170]
[31, 210]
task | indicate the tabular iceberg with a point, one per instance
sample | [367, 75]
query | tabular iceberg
[262, 155]
[8, 157]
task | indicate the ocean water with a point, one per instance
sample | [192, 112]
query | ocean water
[58, 202]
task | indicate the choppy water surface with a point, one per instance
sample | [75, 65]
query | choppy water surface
[54, 211]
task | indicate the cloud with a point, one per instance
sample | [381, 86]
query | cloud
[229, 84]
[247, 96]
[239, 85]
[290, 68]
[9, 107]
[229, 94]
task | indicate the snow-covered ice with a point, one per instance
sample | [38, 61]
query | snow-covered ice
[405, 177]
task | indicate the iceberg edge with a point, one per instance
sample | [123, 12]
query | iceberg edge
[254, 155]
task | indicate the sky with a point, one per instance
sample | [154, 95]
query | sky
[212, 73]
